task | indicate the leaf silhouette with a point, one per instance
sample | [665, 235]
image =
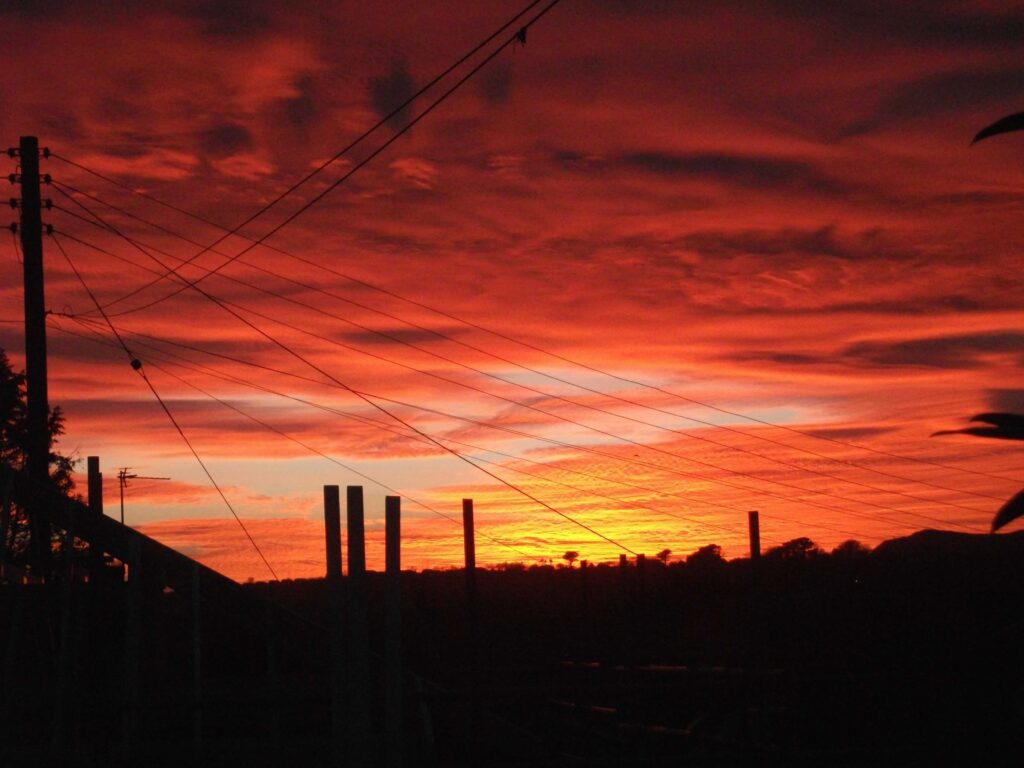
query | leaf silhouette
[1005, 426]
[1009, 512]
[1009, 123]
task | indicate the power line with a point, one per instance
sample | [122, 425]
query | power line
[593, 369]
[549, 440]
[390, 428]
[357, 166]
[137, 366]
[212, 372]
[330, 161]
[587, 406]
[228, 305]
[318, 452]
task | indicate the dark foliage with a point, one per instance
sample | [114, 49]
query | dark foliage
[14, 440]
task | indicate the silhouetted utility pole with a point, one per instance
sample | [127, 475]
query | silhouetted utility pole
[31, 230]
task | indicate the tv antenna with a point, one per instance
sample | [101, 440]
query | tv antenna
[123, 476]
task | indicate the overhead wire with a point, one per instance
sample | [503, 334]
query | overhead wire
[681, 416]
[248, 383]
[227, 307]
[562, 358]
[416, 437]
[573, 402]
[528, 435]
[347, 467]
[384, 120]
[138, 367]
[712, 465]
[357, 166]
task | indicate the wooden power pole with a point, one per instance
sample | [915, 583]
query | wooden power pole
[31, 230]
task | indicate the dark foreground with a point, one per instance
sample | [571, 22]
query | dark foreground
[911, 655]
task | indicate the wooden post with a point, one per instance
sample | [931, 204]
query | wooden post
[95, 485]
[469, 544]
[755, 535]
[37, 456]
[197, 667]
[358, 635]
[332, 530]
[336, 623]
[393, 731]
[95, 480]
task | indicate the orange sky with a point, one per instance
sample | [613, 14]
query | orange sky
[770, 210]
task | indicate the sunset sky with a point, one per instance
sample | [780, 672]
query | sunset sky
[771, 209]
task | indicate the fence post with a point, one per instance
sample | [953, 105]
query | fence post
[393, 731]
[336, 622]
[469, 545]
[358, 639]
[332, 531]
[754, 524]
[95, 490]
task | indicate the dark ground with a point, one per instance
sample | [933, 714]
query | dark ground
[910, 655]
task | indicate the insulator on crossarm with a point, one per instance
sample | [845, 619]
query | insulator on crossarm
[49, 229]
[48, 204]
[47, 178]
[14, 228]
[46, 153]
[12, 151]
[14, 178]
[15, 203]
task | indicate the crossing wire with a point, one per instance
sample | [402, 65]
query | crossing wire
[138, 367]
[330, 161]
[520, 433]
[231, 306]
[357, 166]
[247, 383]
[226, 306]
[562, 358]
[271, 428]
[568, 400]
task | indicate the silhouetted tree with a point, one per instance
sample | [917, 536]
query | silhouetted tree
[570, 557]
[851, 549]
[14, 441]
[801, 548]
[709, 555]
[664, 555]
